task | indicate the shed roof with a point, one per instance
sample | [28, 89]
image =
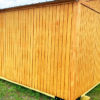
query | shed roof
[8, 4]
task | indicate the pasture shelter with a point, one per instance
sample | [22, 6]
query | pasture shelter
[52, 47]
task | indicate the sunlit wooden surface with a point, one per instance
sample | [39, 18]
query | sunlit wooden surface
[33, 47]
[52, 48]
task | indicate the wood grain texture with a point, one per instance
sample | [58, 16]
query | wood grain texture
[1, 42]
[35, 47]
[85, 49]
[54, 49]
[92, 4]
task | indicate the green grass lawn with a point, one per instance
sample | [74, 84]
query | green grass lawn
[10, 91]
[95, 93]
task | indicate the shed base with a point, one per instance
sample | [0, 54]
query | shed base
[57, 98]
[85, 98]
[78, 98]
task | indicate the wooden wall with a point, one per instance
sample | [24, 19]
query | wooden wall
[85, 51]
[34, 47]
[93, 4]
[53, 48]
[1, 41]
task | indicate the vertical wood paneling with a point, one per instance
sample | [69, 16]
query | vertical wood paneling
[36, 47]
[1, 41]
[30, 25]
[68, 59]
[41, 43]
[64, 60]
[49, 50]
[16, 44]
[54, 48]
[33, 50]
[85, 51]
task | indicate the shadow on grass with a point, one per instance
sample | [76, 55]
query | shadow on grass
[10, 91]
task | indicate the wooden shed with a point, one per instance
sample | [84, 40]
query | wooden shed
[52, 47]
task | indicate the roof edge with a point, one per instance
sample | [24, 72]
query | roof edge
[37, 4]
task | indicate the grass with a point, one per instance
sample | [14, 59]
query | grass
[95, 93]
[9, 91]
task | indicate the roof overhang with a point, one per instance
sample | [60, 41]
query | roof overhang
[37, 4]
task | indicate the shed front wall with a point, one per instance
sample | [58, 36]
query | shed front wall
[34, 47]
[85, 51]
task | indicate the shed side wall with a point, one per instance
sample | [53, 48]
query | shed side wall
[86, 52]
[34, 46]
[1, 41]
[92, 4]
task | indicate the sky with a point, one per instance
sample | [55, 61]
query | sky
[13, 3]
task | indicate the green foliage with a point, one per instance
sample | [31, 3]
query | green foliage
[9, 91]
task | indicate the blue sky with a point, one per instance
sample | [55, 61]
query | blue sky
[12, 3]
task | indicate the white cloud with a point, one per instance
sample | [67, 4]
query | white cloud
[6, 3]
[1, 0]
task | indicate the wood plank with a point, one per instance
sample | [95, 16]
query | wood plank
[64, 79]
[35, 44]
